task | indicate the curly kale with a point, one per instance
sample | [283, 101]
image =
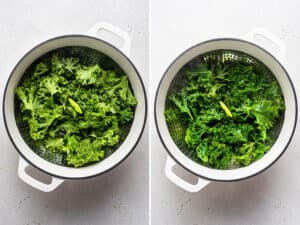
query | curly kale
[224, 113]
[75, 109]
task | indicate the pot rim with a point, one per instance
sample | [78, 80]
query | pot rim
[156, 100]
[70, 36]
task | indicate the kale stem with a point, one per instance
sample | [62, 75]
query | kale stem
[226, 109]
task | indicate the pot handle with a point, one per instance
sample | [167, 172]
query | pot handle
[107, 27]
[201, 183]
[280, 53]
[55, 182]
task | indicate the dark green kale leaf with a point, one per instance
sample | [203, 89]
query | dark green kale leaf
[223, 115]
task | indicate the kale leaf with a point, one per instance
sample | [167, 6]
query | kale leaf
[75, 109]
[224, 113]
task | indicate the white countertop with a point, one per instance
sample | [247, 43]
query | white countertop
[272, 197]
[119, 197]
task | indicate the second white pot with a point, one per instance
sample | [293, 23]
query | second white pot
[206, 174]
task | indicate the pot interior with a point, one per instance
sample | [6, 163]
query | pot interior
[255, 53]
[87, 48]
[87, 56]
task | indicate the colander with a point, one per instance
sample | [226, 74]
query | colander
[92, 49]
[231, 49]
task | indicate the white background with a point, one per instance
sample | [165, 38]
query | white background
[119, 197]
[272, 197]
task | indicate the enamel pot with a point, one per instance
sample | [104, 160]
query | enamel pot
[274, 63]
[57, 172]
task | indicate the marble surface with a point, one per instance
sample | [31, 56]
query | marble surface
[119, 197]
[269, 198]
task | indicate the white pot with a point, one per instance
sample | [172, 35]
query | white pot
[59, 173]
[207, 174]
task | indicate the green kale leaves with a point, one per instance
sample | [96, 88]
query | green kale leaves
[75, 109]
[224, 113]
